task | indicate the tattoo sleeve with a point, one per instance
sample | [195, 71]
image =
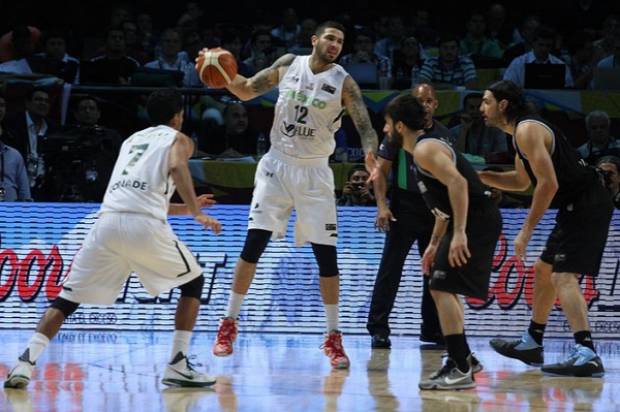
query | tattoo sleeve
[268, 78]
[353, 101]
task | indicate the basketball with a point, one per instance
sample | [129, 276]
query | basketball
[216, 67]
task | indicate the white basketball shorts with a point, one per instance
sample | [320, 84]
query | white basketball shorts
[282, 183]
[121, 243]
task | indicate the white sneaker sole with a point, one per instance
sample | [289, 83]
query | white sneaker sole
[181, 383]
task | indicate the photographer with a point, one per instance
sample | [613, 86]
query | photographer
[355, 191]
[81, 156]
[610, 165]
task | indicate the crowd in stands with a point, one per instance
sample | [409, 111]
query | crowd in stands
[393, 51]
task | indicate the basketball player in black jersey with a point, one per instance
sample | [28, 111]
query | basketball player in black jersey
[467, 226]
[546, 160]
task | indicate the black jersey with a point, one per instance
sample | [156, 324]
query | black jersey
[573, 175]
[435, 193]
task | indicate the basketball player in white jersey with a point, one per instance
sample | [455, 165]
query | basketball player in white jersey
[313, 93]
[132, 235]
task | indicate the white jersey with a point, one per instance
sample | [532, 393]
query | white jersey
[141, 181]
[308, 111]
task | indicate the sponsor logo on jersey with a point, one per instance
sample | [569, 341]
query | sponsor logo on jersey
[303, 98]
[299, 130]
[330, 226]
[328, 88]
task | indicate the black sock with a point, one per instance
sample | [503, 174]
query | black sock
[584, 338]
[467, 349]
[536, 331]
[457, 351]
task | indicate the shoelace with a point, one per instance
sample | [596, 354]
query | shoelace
[190, 365]
[334, 345]
[225, 331]
[448, 365]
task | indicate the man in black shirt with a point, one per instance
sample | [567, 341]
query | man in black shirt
[459, 256]
[546, 160]
[406, 220]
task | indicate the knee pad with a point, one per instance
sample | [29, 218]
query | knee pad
[65, 306]
[327, 260]
[193, 288]
[255, 244]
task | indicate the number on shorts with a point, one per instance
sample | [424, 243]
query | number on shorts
[137, 151]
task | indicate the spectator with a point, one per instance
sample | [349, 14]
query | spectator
[582, 61]
[192, 43]
[523, 39]
[231, 41]
[28, 130]
[407, 64]
[613, 60]
[600, 142]
[604, 46]
[114, 66]
[171, 58]
[472, 136]
[544, 41]
[120, 14]
[133, 46]
[288, 31]
[396, 32]
[476, 45]
[55, 60]
[363, 52]
[14, 183]
[423, 31]
[498, 28]
[262, 53]
[192, 16]
[610, 165]
[23, 48]
[449, 69]
[355, 191]
[19, 43]
[303, 43]
[146, 34]
[234, 137]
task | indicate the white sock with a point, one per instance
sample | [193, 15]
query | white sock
[180, 342]
[331, 313]
[37, 344]
[234, 304]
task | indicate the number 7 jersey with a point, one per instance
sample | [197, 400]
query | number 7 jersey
[308, 111]
[141, 181]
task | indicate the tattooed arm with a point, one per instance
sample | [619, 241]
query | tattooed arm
[261, 82]
[352, 99]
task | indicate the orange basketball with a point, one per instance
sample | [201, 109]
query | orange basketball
[217, 67]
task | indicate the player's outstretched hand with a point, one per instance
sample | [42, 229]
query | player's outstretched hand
[206, 200]
[428, 259]
[209, 223]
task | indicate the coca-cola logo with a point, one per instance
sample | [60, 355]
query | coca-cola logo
[515, 280]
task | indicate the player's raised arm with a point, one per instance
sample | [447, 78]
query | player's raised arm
[263, 81]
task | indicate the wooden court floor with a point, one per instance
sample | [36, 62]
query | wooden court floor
[120, 371]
